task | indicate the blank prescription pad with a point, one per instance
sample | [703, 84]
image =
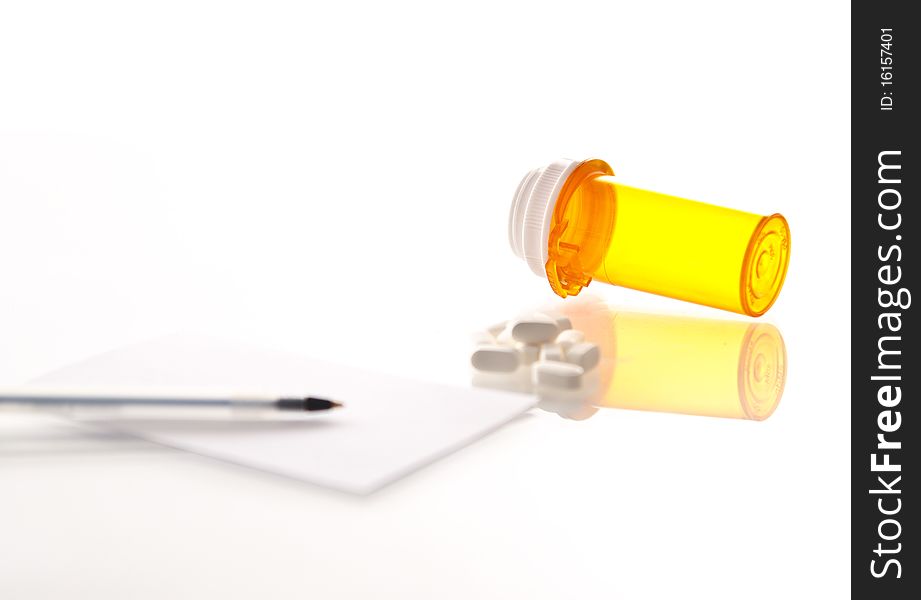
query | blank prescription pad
[388, 428]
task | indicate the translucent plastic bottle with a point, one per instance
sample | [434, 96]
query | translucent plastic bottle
[573, 222]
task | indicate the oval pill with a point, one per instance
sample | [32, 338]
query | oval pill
[535, 329]
[497, 328]
[584, 354]
[495, 359]
[562, 322]
[557, 374]
[552, 352]
[569, 337]
[504, 337]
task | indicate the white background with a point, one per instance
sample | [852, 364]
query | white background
[334, 180]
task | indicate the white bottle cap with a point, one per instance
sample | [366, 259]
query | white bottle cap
[532, 210]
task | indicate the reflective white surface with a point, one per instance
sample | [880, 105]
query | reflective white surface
[335, 181]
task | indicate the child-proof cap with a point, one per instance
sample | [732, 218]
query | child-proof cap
[532, 211]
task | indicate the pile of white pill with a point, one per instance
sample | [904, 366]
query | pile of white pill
[558, 355]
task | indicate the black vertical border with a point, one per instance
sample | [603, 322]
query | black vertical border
[874, 131]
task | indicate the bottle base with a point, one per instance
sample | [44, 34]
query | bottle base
[766, 262]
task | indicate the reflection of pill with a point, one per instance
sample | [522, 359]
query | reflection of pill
[585, 355]
[557, 374]
[552, 352]
[569, 337]
[482, 337]
[494, 358]
[535, 329]
[527, 353]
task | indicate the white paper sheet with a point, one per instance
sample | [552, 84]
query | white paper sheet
[389, 427]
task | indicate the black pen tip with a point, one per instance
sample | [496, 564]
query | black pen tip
[308, 404]
[312, 403]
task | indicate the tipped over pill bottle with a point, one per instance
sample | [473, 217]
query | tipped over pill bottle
[573, 222]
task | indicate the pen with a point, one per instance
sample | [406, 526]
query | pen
[87, 403]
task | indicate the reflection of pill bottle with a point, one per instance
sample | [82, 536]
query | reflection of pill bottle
[572, 222]
[664, 363]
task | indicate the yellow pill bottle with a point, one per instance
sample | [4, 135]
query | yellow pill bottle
[573, 222]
